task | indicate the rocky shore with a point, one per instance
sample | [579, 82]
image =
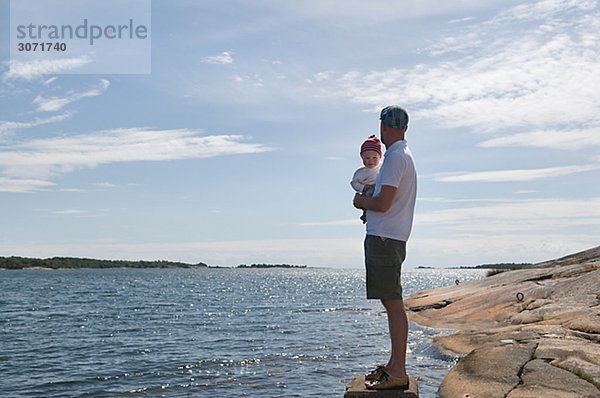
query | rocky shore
[533, 332]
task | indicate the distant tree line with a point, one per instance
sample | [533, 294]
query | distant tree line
[270, 266]
[72, 262]
[499, 266]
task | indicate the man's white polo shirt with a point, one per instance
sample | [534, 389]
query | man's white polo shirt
[398, 170]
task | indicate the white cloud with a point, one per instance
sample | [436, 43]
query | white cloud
[80, 213]
[23, 185]
[540, 73]
[446, 200]
[47, 157]
[70, 212]
[350, 13]
[78, 190]
[33, 69]
[568, 140]
[249, 81]
[104, 185]
[501, 247]
[517, 230]
[226, 57]
[50, 81]
[334, 223]
[514, 175]
[9, 127]
[321, 76]
[543, 216]
[525, 191]
[53, 104]
[461, 20]
[544, 9]
[491, 216]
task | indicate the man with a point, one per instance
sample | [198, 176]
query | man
[390, 214]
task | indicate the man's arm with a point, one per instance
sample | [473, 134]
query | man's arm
[381, 203]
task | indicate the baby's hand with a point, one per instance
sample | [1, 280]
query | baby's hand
[367, 188]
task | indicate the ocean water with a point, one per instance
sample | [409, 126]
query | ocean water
[202, 333]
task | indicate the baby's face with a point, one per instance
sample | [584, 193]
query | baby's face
[370, 159]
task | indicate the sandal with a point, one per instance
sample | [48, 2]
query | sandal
[375, 374]
[388, 382]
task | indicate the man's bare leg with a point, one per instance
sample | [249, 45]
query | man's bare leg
[398, 327]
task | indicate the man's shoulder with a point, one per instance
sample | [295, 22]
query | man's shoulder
[399, 161]
[398, 154]
[397, 148]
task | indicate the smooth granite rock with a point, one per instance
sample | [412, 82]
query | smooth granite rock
[533, 332]
[491, 371]
[540, 379]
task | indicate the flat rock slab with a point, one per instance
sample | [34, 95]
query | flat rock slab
[357, 389]
[487, 372]
[540, 379]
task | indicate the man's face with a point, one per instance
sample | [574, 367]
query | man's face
[383, 132]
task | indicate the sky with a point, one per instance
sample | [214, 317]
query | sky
[238, 147]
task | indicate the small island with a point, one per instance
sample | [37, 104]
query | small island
[12, 263]
[270, 266]
[15, 263]
[496, 266]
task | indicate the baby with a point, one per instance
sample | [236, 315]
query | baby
[363, 180]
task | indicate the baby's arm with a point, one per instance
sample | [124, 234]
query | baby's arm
[357, 182]
[357, 185]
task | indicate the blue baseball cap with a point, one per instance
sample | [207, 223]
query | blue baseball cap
[394, 116]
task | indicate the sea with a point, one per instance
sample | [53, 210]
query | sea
[215, 332]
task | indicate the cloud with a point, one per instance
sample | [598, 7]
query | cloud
[543, 216]
[104, 185]
[542, 10]
[501, 247]
[23, 185]
[491, 216]
[79, 190]
[226, 57]
[9, 127]
[70, 212]
[540, 71]
[334, 223]
[516, 230]
[351, 13]
[539, 17]
[513, 230]
[40, 159]
[514, 175]
[50, 81]
[80, 213]
[30, 70]
[54, 104]
[554, 139]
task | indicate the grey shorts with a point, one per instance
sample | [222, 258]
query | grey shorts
[383, 261]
